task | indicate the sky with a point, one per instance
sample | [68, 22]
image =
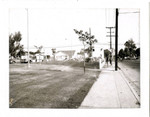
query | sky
[53, 28]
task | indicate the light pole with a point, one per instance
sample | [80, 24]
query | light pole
[28, 37]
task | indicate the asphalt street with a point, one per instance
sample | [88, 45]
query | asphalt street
[131, 70]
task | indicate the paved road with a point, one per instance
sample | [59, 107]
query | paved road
[131, 69]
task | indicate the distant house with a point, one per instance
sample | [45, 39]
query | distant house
[24, 58]
[39, 57]
[64, 55]
[79, 56]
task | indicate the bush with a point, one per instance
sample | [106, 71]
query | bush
[88, 59]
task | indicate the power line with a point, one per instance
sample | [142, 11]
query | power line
[97, 44]
[128, 12]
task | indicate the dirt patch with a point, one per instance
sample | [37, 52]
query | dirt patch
[47, 87]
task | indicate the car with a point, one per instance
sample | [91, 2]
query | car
[127, 58]
[24, 59]
[11, 61]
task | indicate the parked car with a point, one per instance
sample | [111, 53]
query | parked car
[11, 61]
[127, 58]
[24, 59]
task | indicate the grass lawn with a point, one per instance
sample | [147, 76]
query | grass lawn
[61, 85]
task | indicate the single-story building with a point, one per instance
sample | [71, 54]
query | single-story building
[64, 55]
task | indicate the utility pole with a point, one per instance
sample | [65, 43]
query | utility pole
[116, 40]
[90, 43]
[84, 57]
[110, 35]
[28, 37]
[9, 22]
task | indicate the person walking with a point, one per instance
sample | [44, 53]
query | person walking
[110, 59]
[107, 59]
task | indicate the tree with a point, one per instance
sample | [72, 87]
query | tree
[87, 40]
[131, 47]
[90, 41]
[21, 51]
[32, 53]
[38, 49]
[15, 48]
[48, 56]
[121, 54]
[137, 52]
[126, 52]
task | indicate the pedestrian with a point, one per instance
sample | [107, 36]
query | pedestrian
[110, 59]
[107, 59]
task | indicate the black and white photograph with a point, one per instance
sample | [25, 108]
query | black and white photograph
[76, 56]
[62, 58]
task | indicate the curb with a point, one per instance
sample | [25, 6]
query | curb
[132, 90]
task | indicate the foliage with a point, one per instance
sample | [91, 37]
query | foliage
[15, 48]
[87, 59]
[48, 56]
[32, 53]
[53, 50]
[38, 49]
[126, 52]
[121, 53]
[130, 50]
[130, 47]
[137, 52]
[88, 41]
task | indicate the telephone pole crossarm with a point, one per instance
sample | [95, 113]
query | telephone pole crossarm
[110, 35]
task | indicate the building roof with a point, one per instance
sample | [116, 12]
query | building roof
[70, 53]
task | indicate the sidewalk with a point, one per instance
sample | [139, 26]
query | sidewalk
[110, 91]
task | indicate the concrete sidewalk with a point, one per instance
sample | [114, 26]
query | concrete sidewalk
[110, 91]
